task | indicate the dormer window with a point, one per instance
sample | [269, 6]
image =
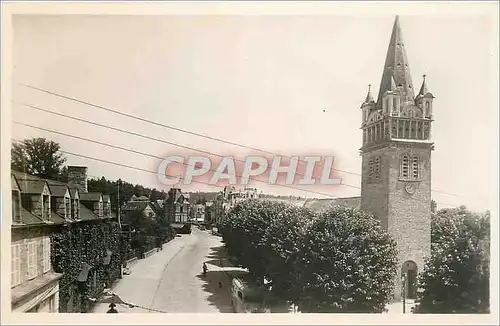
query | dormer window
[101, 209]
[46, 207]
[67, 207]
[16, 206]
[76, 209]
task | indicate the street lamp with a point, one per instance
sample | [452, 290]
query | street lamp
[403, 278]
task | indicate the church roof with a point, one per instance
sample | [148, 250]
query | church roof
[396, 66]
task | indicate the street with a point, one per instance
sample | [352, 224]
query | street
[171, 280]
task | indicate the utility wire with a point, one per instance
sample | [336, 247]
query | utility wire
[179, 129]
[155, 172]
[142, 136]
[157, 139]
[159, 124]
[150, 155]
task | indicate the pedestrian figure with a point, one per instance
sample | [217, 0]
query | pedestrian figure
[205, 268]
[220, 285]
[112, 309]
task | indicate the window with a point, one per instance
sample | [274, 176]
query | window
[414, 167]
[16, 209]
[100, 209]
[32, 268]
[46, 255]
[15, 272]
[67, 207]
[76, 209]
[46, 208]
[405, 162]
[374, 170]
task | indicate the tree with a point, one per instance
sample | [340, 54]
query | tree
[340, 260]
[456, 276]
[348, 263]
[284, 239]
[39, 157]
[244, 230]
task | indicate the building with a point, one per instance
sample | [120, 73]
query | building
[229, 198]
[396, 163]
[34, 284]
[46, 209]
[177, 206]
[142, 205]
[209, 212]
[199, 213]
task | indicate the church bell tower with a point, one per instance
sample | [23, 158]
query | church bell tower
[396, 162]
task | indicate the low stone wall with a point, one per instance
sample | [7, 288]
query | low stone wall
[151, 252]
[131, 261]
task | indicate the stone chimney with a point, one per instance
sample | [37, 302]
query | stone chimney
[77, 177]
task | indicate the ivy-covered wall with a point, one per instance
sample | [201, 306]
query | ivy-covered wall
[87, 242]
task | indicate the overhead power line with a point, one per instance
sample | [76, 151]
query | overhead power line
[201, 182]
[161, 124]
[152, 138]
[153, 156]
[74, 99]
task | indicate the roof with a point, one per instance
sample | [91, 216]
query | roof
[86, 214]
[321, 204]
[106, 198]
[58, 190]
[32, 186]
[396, 66]
[13, 183]
[30, 219]
[90, 196]
[136, 206]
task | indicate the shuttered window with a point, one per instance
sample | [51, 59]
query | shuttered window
[46, 255]
[32, 267]
[15, 272]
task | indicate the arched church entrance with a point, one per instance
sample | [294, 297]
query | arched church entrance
[409, 272]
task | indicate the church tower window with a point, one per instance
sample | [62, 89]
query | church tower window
[405, 166]
[414, 167]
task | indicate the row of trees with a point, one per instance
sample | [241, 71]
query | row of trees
[341, 260]
[456, 276]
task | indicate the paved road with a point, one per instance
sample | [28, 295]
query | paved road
[172, 281]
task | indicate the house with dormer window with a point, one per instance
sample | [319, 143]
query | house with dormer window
[40, 209]
[34, 284]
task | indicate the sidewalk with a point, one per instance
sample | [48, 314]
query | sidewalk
[140, 286]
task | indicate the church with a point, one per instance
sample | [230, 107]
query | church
[396, 163]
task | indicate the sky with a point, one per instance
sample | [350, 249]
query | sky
[292, 85]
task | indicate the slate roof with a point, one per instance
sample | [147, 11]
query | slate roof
[320, 204]
[396, 66]
[13, 183]
[136, 206]
[58, 190]
[32, 186]
[86, 214]
[90, 196]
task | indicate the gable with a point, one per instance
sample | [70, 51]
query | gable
[374, 116]
[13, 183]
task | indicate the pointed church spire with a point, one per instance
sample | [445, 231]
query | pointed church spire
[369, 96]
[423, 89]
[396, 67]
[393, 84]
